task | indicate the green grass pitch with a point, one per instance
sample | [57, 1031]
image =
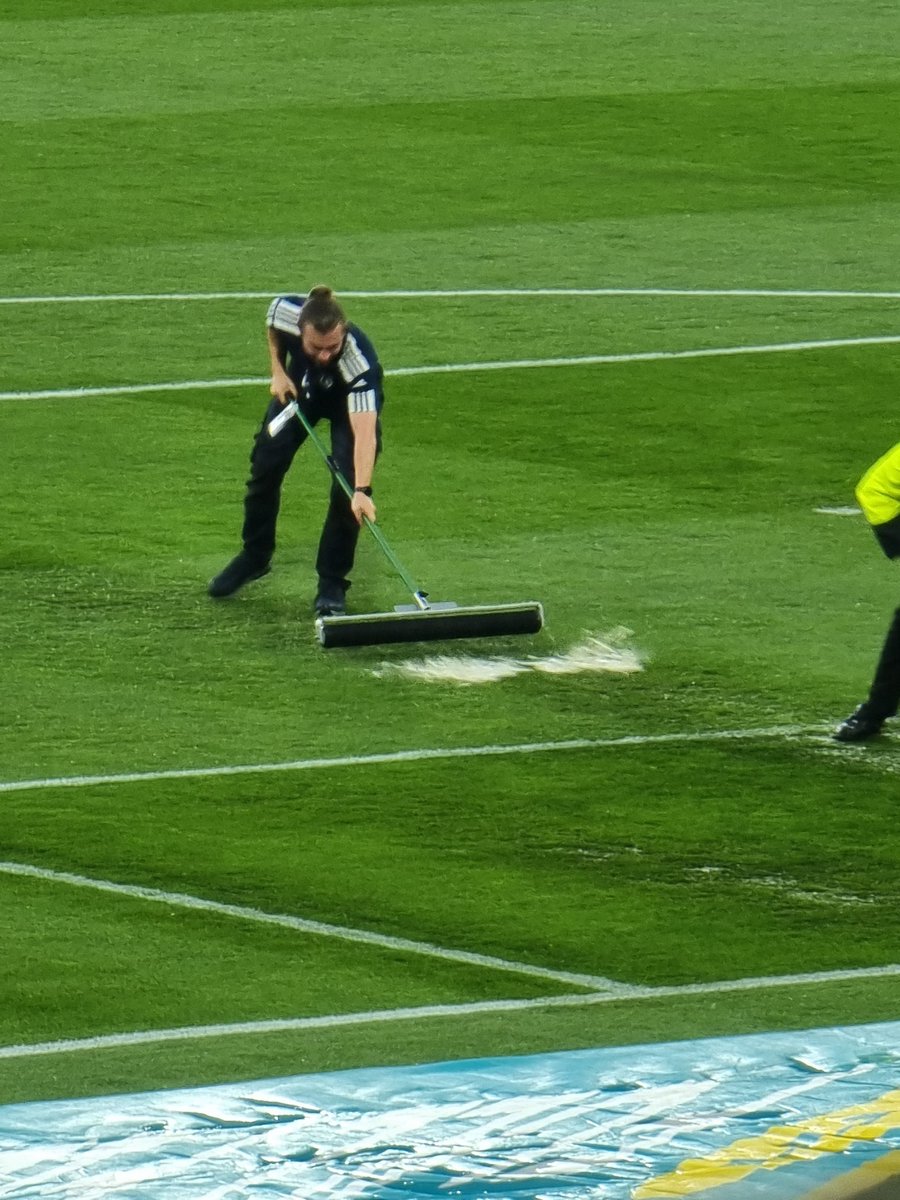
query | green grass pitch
[222, 147]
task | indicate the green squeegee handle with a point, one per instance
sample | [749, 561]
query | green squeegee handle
[418, 596]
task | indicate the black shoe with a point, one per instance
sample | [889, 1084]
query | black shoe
[330, 600]
[242, 569]
[858, 727]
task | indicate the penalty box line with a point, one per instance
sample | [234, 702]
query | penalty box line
[316, 928]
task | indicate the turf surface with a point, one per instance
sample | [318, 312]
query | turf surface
[202, 147]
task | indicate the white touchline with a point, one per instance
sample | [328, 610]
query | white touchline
[398, 756]
[587, 360]
[462, 293]
[284, 1025]
[318, 928]
[426, 1012]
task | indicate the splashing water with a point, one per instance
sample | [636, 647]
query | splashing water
[606, 654]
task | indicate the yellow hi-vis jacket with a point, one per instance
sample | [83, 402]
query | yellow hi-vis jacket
[878, 493]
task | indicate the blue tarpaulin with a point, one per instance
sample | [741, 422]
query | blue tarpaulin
[766, 1117]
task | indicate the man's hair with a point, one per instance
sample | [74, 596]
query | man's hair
[321, 310]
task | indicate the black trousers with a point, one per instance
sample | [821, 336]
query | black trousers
[884, 695]
[270, 459]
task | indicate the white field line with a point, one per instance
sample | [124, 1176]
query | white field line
[145, 1037]
[318, 928]
[651, 355]
[461, 293]
[137, 389]
[515, 364]
[397, 756]
[187, 1033]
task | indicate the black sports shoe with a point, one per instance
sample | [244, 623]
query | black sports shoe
[330, 600]
[858, 727]
[242, 569]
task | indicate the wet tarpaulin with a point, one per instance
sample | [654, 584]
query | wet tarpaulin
[812, 1115]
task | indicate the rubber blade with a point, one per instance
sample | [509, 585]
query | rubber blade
[433, 625]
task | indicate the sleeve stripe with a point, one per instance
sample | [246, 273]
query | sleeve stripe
[366, 401]
[352, 362]
[284, 315]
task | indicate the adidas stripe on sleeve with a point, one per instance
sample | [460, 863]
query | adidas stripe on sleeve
[352, 362]
[362, 400]
[355, 369]
[284, 314]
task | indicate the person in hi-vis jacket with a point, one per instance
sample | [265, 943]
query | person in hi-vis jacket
[878, 493]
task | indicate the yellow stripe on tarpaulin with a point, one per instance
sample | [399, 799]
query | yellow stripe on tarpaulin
[780, 1146]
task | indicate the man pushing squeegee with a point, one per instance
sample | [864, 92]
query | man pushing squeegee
[325, 367]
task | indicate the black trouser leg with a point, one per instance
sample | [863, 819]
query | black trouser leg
[269, 462]
[884, 695]
[340, 533]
